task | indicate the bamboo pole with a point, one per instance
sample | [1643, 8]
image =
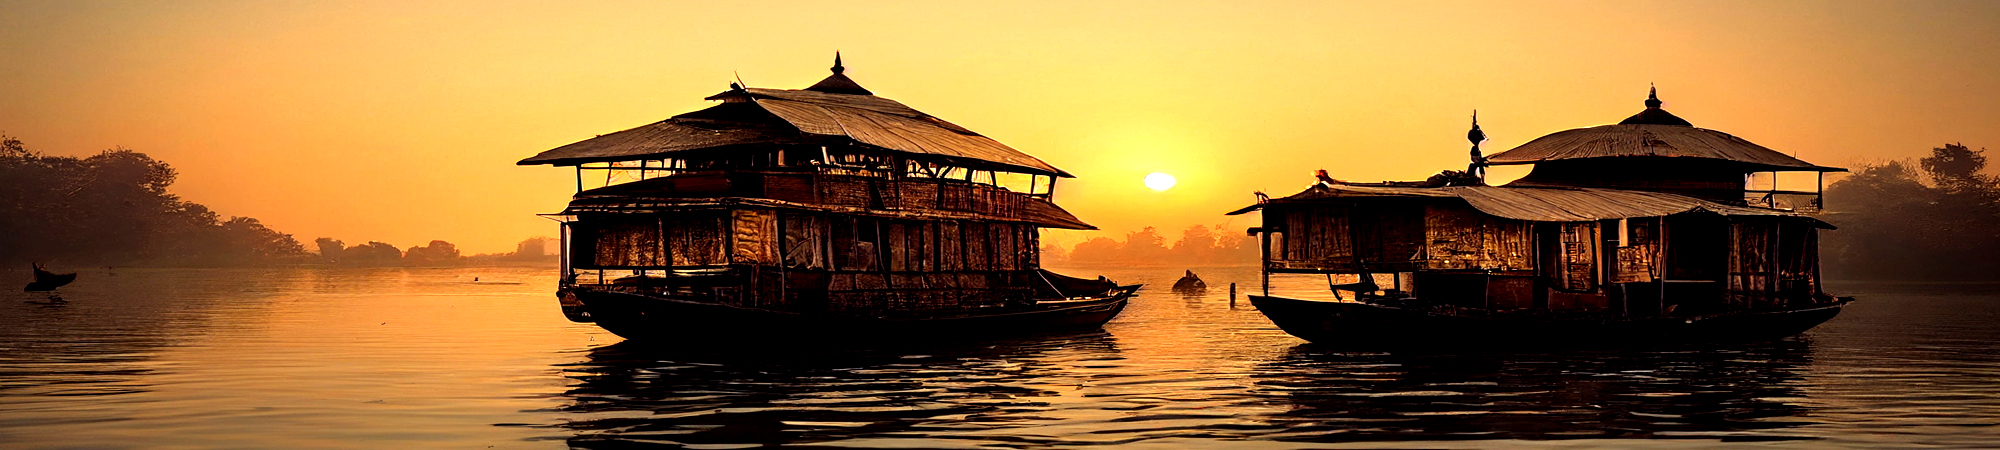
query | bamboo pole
[1264, 256]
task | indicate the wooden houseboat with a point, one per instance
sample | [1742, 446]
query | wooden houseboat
[820, 213]
[1642, 231]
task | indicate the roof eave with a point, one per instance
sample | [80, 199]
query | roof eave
[1531, 203]
[538, 160]
[1757, 167]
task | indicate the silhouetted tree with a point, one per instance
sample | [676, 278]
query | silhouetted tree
[1235, 245]
[329, 249]
[1054, 254]
[260, 242]
[1099, 250]
[371, 254]
[1954, 167]
[435, 253]
[1146, 245]
[1900, 223]
[1197, 244]
[534, 247]
[114, 208]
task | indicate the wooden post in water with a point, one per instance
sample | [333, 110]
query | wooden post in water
[1232, 295]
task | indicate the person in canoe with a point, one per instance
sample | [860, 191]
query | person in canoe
[1190, 283]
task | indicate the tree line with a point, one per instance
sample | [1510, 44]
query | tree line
[436, 253]
[1930, 219]
[1198, 246]
[1933, 219]
[114, 209]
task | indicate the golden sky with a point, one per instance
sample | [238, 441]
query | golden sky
[401, 121]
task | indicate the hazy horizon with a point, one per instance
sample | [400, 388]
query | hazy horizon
[401, 122]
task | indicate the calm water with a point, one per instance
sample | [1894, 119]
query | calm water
[428, 358]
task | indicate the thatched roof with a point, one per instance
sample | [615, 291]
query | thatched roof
[1651, 133]
[699, 130]
[836, 110]
[1540, 204]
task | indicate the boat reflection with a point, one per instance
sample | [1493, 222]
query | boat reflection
[635, 394]
[1733, 393]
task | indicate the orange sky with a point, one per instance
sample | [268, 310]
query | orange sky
[401, 121]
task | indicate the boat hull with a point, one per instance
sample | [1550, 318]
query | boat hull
[661, 318]
[1369, 325]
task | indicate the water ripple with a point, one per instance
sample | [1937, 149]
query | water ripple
[416, 358]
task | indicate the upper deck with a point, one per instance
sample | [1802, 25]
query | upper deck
[838, 191]
[832, 147]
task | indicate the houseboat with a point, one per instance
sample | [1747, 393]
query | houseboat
[1644, 231]
[819, 213]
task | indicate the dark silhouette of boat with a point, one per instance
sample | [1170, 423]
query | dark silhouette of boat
[48, 281]
[825, 212]
[1190, 283]
[1642, 231]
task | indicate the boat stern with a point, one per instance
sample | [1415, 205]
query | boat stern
[573, 307]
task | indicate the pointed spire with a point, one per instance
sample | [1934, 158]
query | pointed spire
[1476, 136]
[1477, 169]
[838, 83]
[1653, 115]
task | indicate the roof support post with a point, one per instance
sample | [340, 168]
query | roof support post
[1771, 200]
[1660, 264]
[1819, 192]
[1775, 262]
[1263, 252]
[568, 269]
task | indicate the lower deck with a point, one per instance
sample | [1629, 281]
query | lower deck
[842, 293]
[1447, 253]
[814, 262]
[1524, 293]
[1400, 322]
[652, 317]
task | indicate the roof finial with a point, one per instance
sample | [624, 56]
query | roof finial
[1475, 135]
[1652, 96]
[1476, 170]
[837, 68]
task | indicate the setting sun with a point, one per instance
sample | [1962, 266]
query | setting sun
[1159, 181]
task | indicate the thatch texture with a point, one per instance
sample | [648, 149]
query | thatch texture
[887, 124]
[666, 137]
[1655, 140]
[784, 117]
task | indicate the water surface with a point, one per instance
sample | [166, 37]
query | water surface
[429, 358]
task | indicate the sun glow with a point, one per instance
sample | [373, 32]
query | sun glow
[1159, 181]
